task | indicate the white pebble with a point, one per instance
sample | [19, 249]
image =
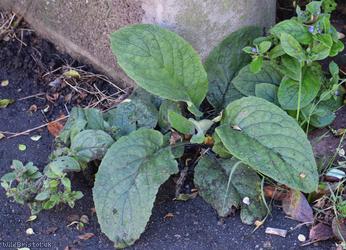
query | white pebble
[301, 238]
[29, 231]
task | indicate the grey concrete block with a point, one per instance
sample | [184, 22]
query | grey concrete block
[82, 27]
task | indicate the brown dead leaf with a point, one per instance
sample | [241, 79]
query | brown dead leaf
[297, 207]
[175, 137]
[339, 228]
[86, 236]
[187, 137]
[168, 216]
[55, 128]
[258, 224]
[320, 232]
[275, 194]
[340, 132]
[208, 140]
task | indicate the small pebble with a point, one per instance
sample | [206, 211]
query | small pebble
[84, 219]
[29, 231]
[301, 238]
[246, 200]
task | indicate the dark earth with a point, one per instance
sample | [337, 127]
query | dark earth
[194, 224]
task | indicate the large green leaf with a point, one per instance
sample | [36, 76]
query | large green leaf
[131, 115]
[211, 180]
[162, 63]
[248, 185]
[292, 47]
[289, 89]
[224, 183]
[264, 137]
[224, 62]
[246, 81]
[293, 27]
[127, 181]
[90, 144]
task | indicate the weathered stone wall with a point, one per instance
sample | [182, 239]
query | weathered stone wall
[82, 27]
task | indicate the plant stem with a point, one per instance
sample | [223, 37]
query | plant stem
[313, 108]
[299, 91]
[229, 183]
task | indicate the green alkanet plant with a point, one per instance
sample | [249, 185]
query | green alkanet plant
[255, 136]
[288, 59]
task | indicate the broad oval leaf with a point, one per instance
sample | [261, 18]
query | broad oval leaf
[180, 123]
[61, 165]
[248, 185]
[132, 114]
[322, 46]
[222, 191]
[289, 89]
[319, 117]
[161, 62]
[256, 64]
[293, 27]
[127, 181]
[270, 141]
[224, 62]
[246, 81]
[292, 47]
[276, 52]
[90, 144]
[211, 180]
